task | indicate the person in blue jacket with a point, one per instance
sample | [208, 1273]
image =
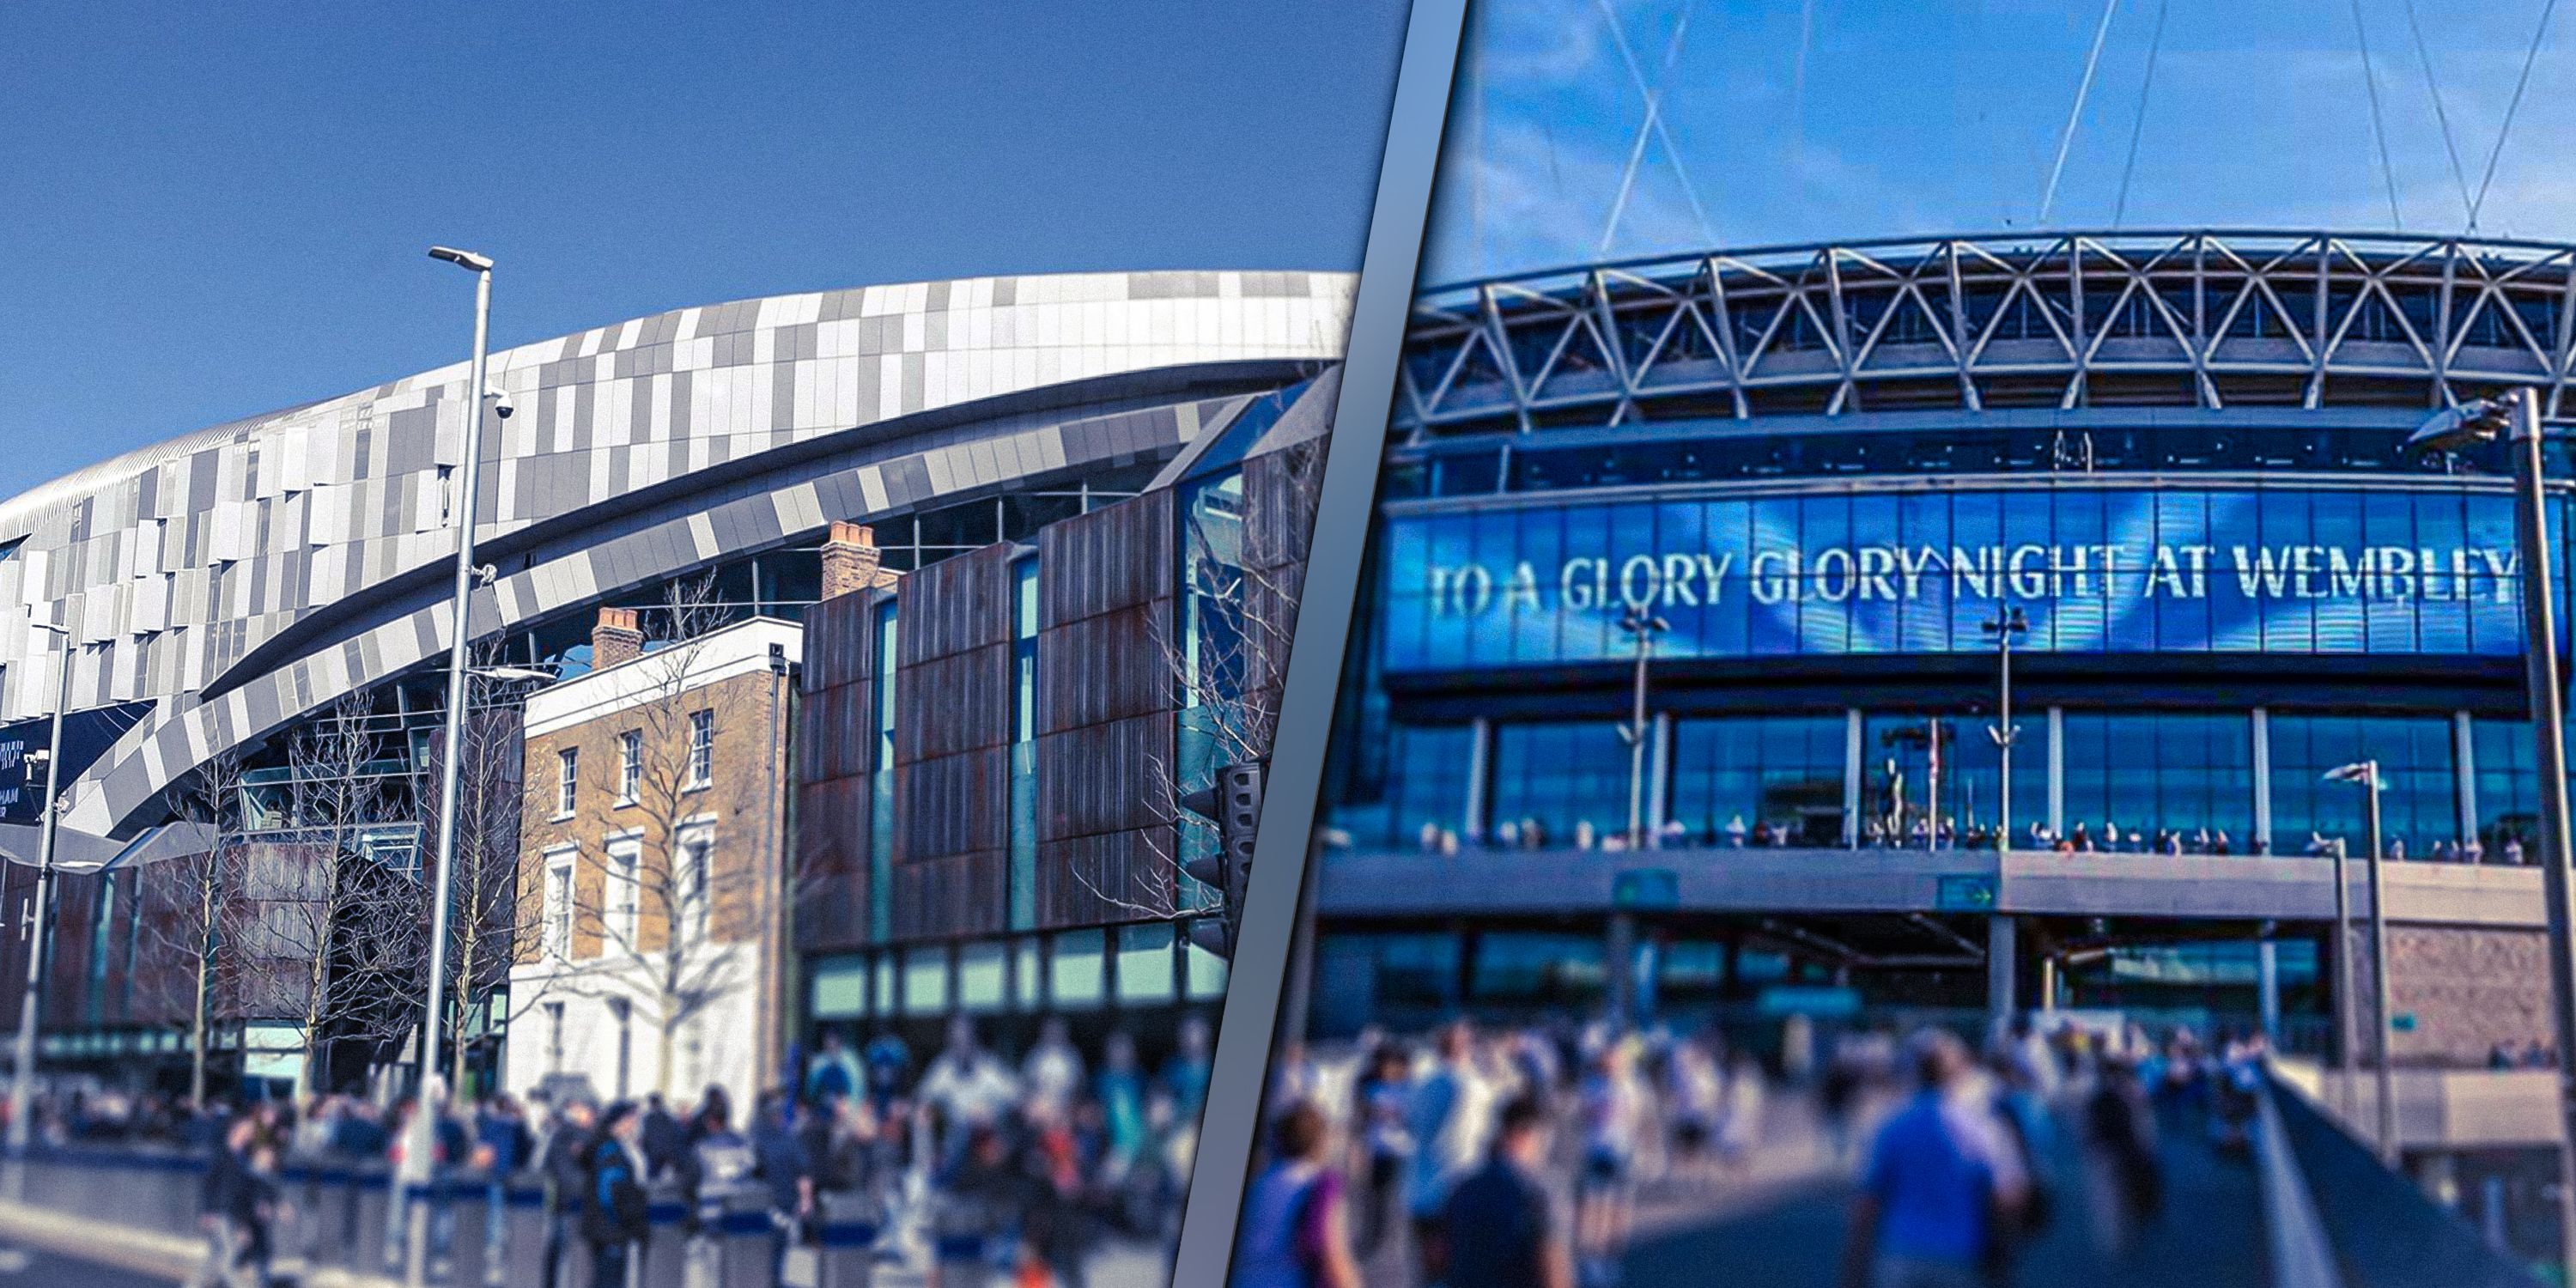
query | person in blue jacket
[615, 1221]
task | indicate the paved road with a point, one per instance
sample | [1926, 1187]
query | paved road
[2210, 1233]
[31, 1269]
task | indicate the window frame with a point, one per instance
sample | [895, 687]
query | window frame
[702, 749]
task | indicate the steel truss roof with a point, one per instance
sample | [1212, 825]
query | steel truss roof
[2195, 319]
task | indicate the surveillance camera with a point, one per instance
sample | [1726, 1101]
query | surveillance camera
[501, 404]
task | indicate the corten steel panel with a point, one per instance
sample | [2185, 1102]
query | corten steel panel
[1111, 666]
[1279, 505]
[953, 703]
[1107, 877]
[832, 851]
[1104, 777]
[66, 982]
[952, 805]
[956, 605]
[955, 894]
[1112, 558]
[836, 729]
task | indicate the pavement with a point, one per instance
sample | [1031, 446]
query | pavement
[82, 1252]
[2210, 1232]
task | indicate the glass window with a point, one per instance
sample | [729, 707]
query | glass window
[1145, 967]
[1409, 979]
[2419, 807]
[1747, 779]
[630, 765]
[1941, 774]
[2508, 789]
[2147, 772]
[1422, 784]
[979, 977]
[1206, 973]
[558, 907]
[1556, 971]
[567, 780]
[881, 782]
[1568, 781]
[1077, 975]
[1028, 984]
[1024, 731]
[702, 748]
[840, 989]
[623, 905]
[925, 980]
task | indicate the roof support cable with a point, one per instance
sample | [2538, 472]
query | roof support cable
[1655, 121]
[2066, 138]
[1798, 107]
[2529, 56]
[2441, 115]
[2378, 128]
[2138, 128]
[1654, 113]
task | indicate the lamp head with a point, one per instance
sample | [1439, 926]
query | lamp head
[462, 258]
[2454, 428]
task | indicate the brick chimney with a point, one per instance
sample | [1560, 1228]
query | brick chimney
[851, 560]
[615, 639]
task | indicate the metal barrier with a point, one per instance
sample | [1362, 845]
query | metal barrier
[338, 1219]
[2381, 1230]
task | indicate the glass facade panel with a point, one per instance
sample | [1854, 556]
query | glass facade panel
[2508, 789]
[925, 980]
[980, 972]
[1752, 779]
[1024, 745]
[2419, 808]
[1206, 973]
[1421, 785]
[881, 783]
[1077, 975]
[1568, 781]
[1405, 978]
[2147, 773]
[1941, 774]
[1145, 965]
[1538, 969]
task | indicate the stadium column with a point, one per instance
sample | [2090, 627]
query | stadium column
[2267, 953]
[2003, 950]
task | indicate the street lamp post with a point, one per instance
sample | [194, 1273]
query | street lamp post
[1643, 626]
[2002, 946]
[22, 1079]
[2366, 773]
[423, 1135]
[2449, 430]
[2010, 623]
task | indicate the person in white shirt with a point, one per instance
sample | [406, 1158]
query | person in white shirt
[1053, 1070]
[1448, 1116]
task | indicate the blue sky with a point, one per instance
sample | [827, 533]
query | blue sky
[1944, 116]
[211, 211]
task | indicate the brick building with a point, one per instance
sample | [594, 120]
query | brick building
[651, 895]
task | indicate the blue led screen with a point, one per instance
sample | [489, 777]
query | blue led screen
[2120, 570]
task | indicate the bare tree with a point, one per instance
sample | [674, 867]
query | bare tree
[333, 900]
[195, 966]
[483, 913]
[672, 902]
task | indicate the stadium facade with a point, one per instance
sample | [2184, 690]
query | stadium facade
[225, 588]
[1825, 470]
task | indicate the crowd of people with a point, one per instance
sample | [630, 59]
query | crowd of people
[1446, 1160]
[1515, 1156]
[971, 1168]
